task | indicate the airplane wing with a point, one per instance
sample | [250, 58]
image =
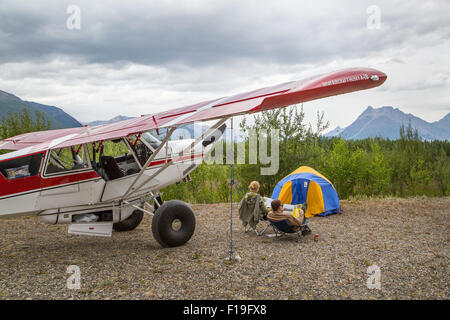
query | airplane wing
[34, 138]
[282, 95]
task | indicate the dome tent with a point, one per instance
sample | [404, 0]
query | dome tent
[307, 185]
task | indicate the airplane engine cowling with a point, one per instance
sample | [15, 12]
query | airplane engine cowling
[213, 137]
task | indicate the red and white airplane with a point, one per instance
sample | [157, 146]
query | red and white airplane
[71, 176]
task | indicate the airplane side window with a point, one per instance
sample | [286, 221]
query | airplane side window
[150, 140]
[65, 160]
[142, 152]
[140, 148]
[21, 167]
[115, 160]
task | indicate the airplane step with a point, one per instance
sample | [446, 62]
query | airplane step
[100, 229]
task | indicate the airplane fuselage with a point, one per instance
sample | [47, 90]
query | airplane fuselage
[57, 197]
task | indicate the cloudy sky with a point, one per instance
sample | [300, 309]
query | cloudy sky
[140, 57]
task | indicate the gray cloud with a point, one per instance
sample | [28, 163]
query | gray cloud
[154, 55]
[157, 33]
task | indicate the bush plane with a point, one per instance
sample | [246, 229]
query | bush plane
[71, 176]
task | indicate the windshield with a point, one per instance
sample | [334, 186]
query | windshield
[150, 140]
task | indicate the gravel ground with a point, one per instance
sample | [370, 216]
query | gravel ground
[407, 238]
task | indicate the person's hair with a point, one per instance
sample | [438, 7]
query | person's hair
[254, 186]
[275, 204]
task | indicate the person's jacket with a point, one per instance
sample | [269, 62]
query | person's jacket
[252, 209]
[279, 216]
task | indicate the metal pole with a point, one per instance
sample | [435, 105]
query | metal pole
[231, 196]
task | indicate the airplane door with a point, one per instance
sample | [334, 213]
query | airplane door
[68, 180]
[69, 190]
[117, 188]
[122, 167]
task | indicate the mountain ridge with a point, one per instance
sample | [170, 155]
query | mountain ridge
[59, 119]
[112, 120]
[386, 122]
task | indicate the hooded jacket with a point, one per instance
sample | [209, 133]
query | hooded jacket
[252, 209]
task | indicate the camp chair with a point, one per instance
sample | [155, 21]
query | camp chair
[282, 227]
[263, 221]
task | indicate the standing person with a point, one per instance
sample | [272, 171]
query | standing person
[252, 208]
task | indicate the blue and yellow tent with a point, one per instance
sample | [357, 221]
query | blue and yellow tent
[307, 185]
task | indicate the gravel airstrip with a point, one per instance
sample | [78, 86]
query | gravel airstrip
[407, 239]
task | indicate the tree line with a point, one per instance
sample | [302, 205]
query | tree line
[15, 123]
[371, 167]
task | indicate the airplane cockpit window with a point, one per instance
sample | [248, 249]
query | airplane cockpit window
[143, 152]
[21, 167]
[150, 140]
[65, 160]
[119, 158]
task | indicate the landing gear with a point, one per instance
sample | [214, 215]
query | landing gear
[157, 202]
[173, 223]
[129, 223]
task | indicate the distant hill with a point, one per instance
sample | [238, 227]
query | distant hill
[444, 123]
[181, 133]
[99, 122]
[386, 122]
[335, 132]
[58, 118]
[187, 131]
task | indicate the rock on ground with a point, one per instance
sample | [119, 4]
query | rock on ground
[408, 239]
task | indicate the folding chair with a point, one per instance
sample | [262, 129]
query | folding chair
[264, 219]
[282, 227]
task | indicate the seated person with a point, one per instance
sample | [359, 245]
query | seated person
[277, 214]
[252, 208]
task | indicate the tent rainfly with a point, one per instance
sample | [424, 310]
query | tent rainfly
[307, 185]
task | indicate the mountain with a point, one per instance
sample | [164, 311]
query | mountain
[99, 122]
[187, 131]
[58, 118]
[444, 123]
[335, 132]
[386, 122]
[181, 133]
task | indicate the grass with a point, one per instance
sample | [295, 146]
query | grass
[229, 262]
[106, 283]
[367, 263]
[195, 256]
